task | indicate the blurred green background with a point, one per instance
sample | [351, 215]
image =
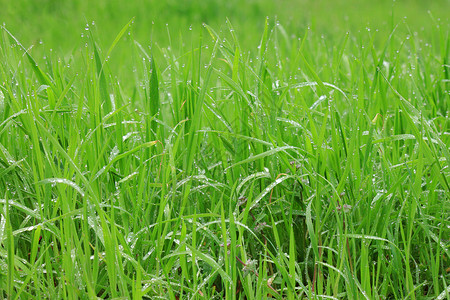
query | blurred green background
[60, 24]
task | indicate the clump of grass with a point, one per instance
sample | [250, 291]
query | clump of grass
[298, 169]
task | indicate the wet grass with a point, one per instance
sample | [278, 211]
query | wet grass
[306, 166]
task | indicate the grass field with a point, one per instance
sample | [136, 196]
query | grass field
[224, 155]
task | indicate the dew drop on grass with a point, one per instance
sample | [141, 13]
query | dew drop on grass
[2, 100]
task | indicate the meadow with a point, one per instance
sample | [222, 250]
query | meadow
[224, 150]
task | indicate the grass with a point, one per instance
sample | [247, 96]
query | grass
[202, 167]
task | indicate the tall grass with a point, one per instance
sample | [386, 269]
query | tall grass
[302, 168]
